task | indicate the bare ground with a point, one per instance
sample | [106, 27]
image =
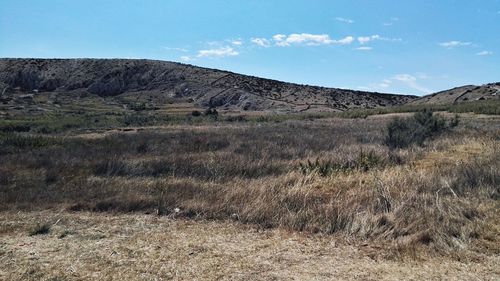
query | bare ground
[84, 246]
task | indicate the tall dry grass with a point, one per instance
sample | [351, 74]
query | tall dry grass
[440, 196]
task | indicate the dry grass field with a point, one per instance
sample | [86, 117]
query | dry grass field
[96, 246]
[326, 198]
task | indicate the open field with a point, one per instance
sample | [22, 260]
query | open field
[248, 198]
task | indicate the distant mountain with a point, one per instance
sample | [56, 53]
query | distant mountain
[160, 83]
[462, 94]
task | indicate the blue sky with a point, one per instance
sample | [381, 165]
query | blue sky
[410, 47]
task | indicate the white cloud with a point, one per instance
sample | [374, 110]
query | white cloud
[484, 53]
[218, 53]
[411, 81]
[280, 40]
[453, 44]
[263, 42]
[345, 41]
[309, 39]
[364, 48]
[237, 42]
[366, 39]
[186, 58]
[363, 40]
[344, 20]
[407, 80]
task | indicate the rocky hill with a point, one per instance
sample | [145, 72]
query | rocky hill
[462, 94]
[160, 83]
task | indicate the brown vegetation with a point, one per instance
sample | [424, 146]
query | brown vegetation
[441, 196]
[100, 246]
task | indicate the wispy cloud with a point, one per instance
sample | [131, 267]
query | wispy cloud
[412, 82]
[218, 53]
[344, 20]
[309, 39]
[364, 48]
[238, 42]
[453, 44]
[365, 39]
[408, 80]
[186, 58]
[484, 53]
[262, 42]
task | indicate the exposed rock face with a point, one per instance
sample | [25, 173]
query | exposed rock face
[160, 79]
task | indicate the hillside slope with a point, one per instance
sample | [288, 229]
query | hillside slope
[160, 83]
[462, 94]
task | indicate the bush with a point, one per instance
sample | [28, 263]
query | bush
[238, 118]
[137, 120]
[455, 121]
[423, 125]
[14, 128]
[40, 229]
[138, 106]
[196, 113]
[211, 112]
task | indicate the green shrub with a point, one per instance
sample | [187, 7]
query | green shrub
[322, 168]
[138, 106]
[415, 130]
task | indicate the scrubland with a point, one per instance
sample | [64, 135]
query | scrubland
[432, 202]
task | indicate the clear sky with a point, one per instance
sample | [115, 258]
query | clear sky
[406, 46]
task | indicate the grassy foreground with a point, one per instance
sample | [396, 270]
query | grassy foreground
[441, 196]
[180, 200]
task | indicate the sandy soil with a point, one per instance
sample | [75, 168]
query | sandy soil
[90, 246]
